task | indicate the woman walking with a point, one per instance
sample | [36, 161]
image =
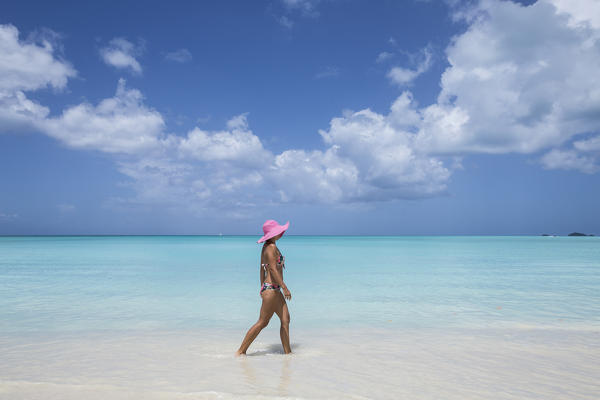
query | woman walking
[272, 264]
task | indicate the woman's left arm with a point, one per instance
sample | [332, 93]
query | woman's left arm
[263, 274]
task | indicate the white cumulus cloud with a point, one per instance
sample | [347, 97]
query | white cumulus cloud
[313, 176]
[121, 53]
[518, 81]
[121, 124]
[237, 143]
[404, 76]
[592, 144]
[580, 12]
[27, 66]
[569, 159]
[384, 153]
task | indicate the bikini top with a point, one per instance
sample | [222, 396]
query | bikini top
[280, 261]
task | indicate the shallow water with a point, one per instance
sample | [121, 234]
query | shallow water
[365, 363]
[389, 318]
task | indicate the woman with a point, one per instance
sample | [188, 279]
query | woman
[272, 263]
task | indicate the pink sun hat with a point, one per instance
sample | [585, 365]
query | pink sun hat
[271, 229]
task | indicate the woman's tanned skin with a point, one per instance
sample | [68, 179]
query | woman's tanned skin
[273, 301]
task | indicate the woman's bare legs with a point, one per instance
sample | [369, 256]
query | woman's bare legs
[269, 305]
[284, 316]
[273, 302]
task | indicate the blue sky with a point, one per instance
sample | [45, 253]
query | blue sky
[341, 116]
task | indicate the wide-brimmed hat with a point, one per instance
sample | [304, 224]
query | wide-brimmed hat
[271, 229]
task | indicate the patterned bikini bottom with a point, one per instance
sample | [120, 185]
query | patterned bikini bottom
[268, 285]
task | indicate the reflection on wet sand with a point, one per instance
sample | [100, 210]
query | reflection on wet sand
[261, 381]
[286, 374]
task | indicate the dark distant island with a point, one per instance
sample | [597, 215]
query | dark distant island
[570, 234]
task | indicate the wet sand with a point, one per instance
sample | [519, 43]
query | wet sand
[476, 363]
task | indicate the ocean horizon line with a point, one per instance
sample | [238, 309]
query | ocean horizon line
[299, 235]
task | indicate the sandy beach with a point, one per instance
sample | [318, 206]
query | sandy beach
[521, 363]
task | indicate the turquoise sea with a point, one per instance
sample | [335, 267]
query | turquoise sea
[84, 292]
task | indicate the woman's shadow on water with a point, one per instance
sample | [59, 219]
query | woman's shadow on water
[274, 349]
